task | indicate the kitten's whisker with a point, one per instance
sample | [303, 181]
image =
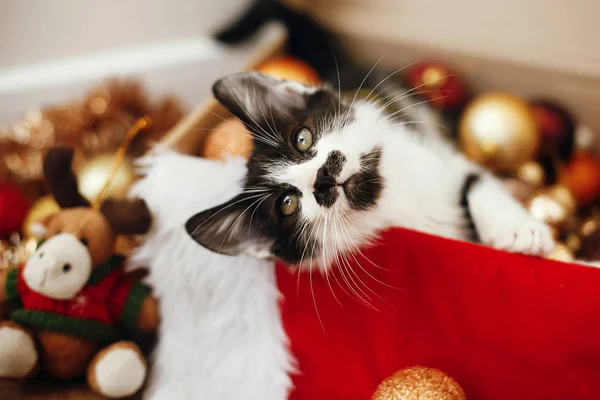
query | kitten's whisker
[360, 252]
[365, 298]
[313, 291]
[227, 85]
[390, 75]
[414, 105]
[223, 209]
[444, 127]
[240, 216]
[412, 90]
[349, 237]
[273, 134]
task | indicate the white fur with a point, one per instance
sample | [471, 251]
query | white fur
[120, 372]
[44, 271]
[17, 353]
[423, 176]
[221, 335]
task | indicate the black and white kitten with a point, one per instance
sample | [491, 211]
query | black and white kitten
[328, 174]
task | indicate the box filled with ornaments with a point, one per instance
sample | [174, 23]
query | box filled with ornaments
[452, 345]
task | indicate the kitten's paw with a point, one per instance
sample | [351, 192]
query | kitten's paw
[530, 236]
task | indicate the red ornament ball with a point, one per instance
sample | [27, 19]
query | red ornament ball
[556, 127]
[439, 84]
[582, 176]
[13, 208]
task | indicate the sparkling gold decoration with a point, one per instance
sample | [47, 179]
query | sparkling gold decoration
[554, 205]
[93, 125]
[140, 124]
[562, 253]
[589, 226]
[16, 251]
[434, 77]
[499, 131]
[532, 173]
[42, 208]
[93, 175]
[419, 383]
[573, 242]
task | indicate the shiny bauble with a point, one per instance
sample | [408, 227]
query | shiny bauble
[554, 205]
[587, 140]
[532, 173]
[13, 208]
[499, 131]
[229, 138]
[582, 176]
[290, 68]
[419, 383]
[438, 83]
[590, 239]
[93, 174]
[39, 211]
[561, 252]
[556, 128]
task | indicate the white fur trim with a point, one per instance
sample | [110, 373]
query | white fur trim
[221, 335]
[17, 353]
[60, 267]
[120, 373]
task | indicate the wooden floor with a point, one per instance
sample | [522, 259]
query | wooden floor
[48, 389]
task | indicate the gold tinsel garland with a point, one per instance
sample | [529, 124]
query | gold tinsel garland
[95, 125]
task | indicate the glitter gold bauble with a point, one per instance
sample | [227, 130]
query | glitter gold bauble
[94, 173]
[228, 138]
[498, 130]
[419, 383]
[562, 253]
[42, 208]
[554, 205]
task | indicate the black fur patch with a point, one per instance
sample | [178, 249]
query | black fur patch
[364, 188]
[470, 181]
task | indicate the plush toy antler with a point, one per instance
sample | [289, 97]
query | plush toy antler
[61, 179]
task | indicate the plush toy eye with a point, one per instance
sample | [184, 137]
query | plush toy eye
[66, 267]
[84, 241]
[289, 204]
[303, 140]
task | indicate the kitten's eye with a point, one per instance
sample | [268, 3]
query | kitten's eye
[289, 204]
[84, 241]
[303, 140]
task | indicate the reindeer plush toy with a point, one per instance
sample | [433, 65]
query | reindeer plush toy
[72, 298]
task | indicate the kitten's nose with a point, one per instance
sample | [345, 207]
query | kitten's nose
[324, 180]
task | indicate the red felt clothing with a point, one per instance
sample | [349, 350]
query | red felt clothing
[505, 326]
[102, 302]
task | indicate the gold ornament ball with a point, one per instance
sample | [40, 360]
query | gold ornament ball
[419, 383]
[93, 174]
[42, 208]
[554, 205]
[498, 130]
[562, 253]
[228, 138]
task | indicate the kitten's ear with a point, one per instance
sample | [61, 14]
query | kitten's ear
[253, 97]
[225, 229]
